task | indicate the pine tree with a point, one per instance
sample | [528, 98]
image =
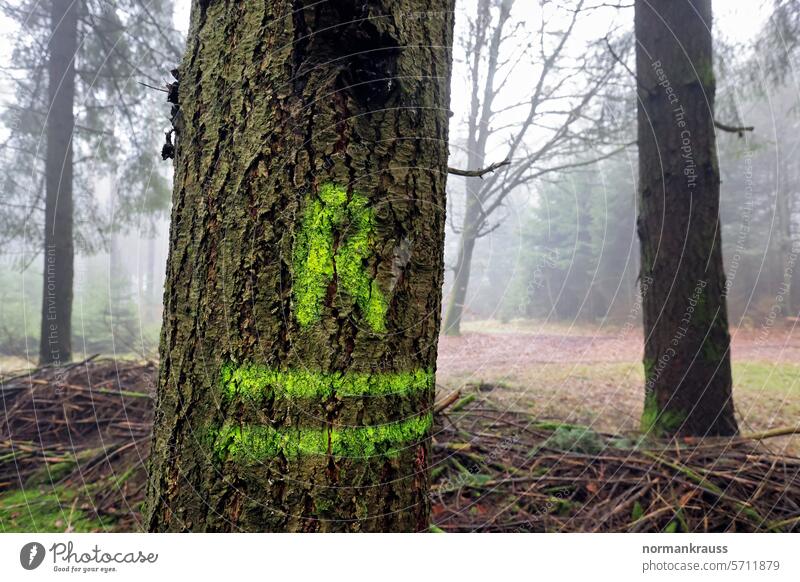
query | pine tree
[687, 342]
[79, 113]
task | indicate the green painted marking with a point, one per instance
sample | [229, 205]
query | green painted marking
[318, 260]
[260, 442]
[256, 382]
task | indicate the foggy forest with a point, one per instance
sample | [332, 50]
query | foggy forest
[400, 266]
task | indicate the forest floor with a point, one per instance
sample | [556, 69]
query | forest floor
[594, 377]
[536, 431]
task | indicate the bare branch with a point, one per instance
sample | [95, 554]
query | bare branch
[621, 62]
[151, 87]
[740, 129]
[478, 173]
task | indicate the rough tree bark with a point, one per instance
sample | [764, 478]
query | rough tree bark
[55, 344]
[687, 343]
[303, 286]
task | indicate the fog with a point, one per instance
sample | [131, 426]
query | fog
[560, 249]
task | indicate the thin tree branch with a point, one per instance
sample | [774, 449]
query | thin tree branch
[154, 88]
[740, 129]
[478, 173]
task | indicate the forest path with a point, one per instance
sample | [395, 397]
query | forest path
[593, 376]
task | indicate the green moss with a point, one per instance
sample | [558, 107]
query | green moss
[52, 472]
[637, 512]
[256, 382]
[649, 366]
[560, 506]
[313, 256]
[44, 510]
[656, 422]
[578, 439]
[710, 351]
[317, 258]
[705, 72]
[323, 505]
[259, 442]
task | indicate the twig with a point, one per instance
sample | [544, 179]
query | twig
[738, 129]
[621, 62]
[775, 432]
[155, 88]
[478, 173]
[445, 402]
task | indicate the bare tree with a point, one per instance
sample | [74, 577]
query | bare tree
[548, 131]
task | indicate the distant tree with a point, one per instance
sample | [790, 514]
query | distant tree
[778, 42]
[687, 342]
[761, 209]
[579, 254]
[544, 131]
[78, 113]
[306, 261]
[761, 184]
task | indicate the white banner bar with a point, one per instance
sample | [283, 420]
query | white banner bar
[389, 557]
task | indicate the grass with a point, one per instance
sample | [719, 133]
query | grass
[609, 397]
[535, 326]
[45, 509]
[767, 376]
[47, 504]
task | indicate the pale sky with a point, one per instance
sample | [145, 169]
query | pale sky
[738, 18]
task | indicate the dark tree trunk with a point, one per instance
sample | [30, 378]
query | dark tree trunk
[304, 278]
[55, 345]
[687, 343]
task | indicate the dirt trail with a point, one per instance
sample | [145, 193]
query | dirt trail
[511, 351]
[585, 377]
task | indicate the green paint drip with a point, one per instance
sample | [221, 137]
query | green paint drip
[317, 259]
[260, 442]
[256, 382]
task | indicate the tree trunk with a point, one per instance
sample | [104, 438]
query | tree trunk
[477, 135]
[55, 345]
[151, 289]
[787, 254]
[304, 278]
[687, 343]
[466, 246]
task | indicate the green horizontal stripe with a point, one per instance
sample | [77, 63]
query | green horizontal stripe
[260, 442]
[257, 382]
